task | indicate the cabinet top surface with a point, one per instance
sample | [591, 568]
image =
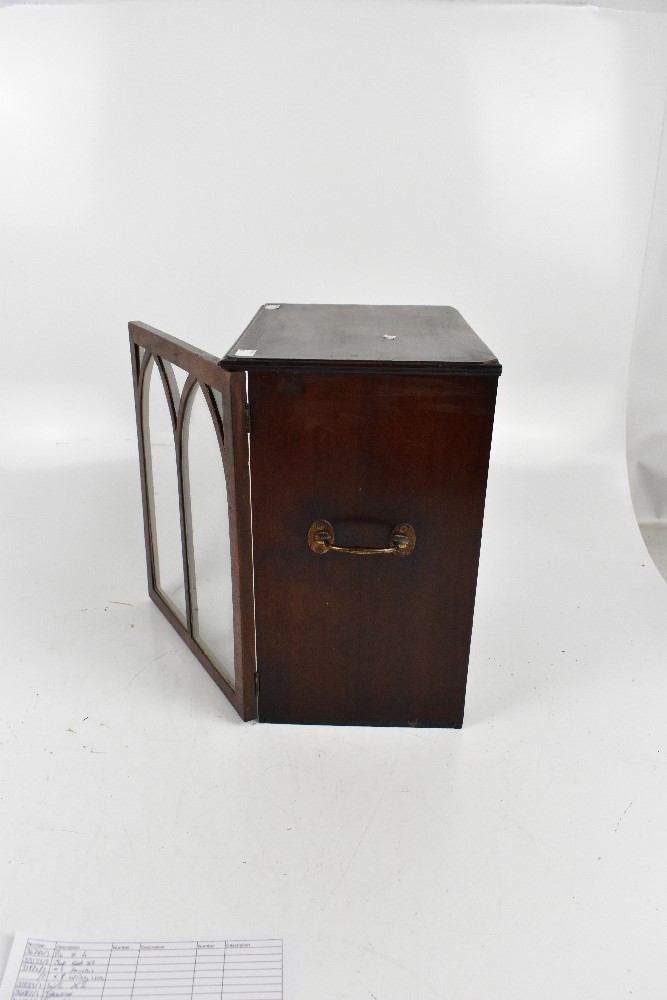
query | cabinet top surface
[387, 338]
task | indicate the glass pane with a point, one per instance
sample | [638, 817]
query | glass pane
[210, 561]
[217, 399]
[162, 483]
[180, 377]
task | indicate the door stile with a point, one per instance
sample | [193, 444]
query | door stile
[240, 527]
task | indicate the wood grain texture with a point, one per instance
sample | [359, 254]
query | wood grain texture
[373, 640]
[360, 338]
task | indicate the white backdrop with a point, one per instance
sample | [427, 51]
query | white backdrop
[181, 163]
[647, 392]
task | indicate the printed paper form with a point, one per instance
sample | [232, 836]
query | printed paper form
[232, 969]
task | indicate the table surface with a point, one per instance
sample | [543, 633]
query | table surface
[139, 806]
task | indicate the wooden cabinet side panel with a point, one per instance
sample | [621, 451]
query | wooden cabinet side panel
[377, 640]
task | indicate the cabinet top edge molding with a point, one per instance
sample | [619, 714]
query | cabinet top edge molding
[293, 337]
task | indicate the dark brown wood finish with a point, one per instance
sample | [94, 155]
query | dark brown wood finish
[284, 336]
[146, 342]
[369, 445]
[375, 640]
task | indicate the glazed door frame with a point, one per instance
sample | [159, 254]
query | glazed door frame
[152, 347]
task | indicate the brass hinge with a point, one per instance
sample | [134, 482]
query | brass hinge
[256, 685]
[246, 418]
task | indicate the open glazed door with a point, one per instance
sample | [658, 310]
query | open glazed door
[193, 454]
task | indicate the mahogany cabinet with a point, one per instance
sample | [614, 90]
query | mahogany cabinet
[313, 507]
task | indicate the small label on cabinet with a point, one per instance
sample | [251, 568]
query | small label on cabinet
[245, 354]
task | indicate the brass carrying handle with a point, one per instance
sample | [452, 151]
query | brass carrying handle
[321, 540]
